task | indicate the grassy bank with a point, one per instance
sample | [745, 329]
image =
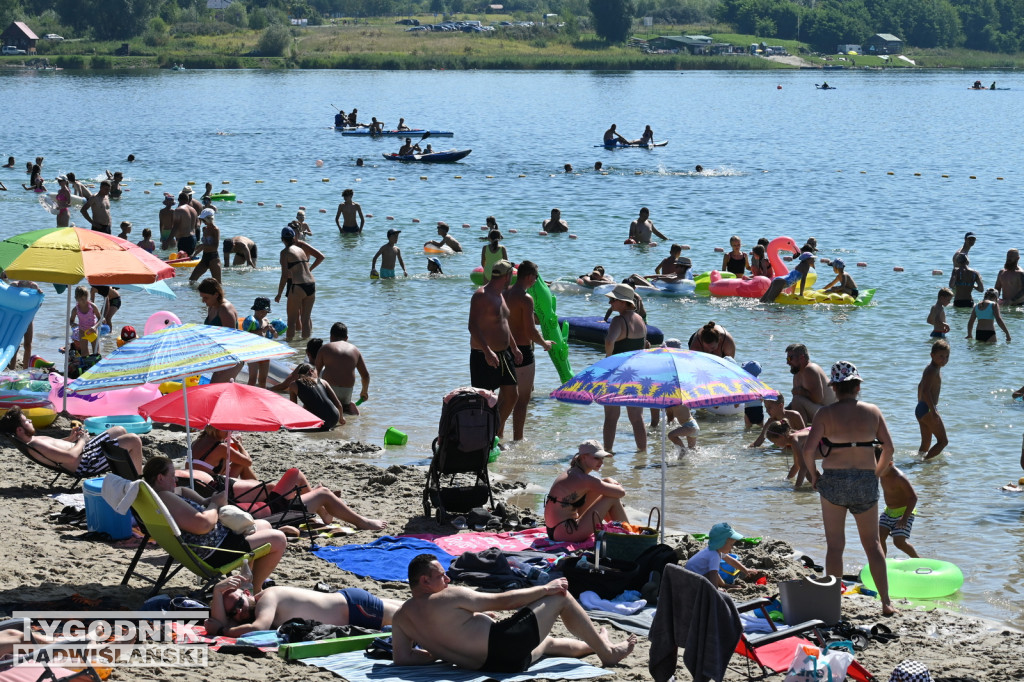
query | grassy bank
[380, 44]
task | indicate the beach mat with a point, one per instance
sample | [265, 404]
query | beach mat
[385, 558]
[638, 623]
[514, 541]
[356, 667]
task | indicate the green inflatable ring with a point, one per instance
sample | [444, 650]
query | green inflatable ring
[918, 578]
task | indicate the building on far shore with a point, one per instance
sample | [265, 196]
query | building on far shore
[19, 35]
[702, 45]
[883, 43]
[848, 48]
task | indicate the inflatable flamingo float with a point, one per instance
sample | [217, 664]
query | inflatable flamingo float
[755, 287]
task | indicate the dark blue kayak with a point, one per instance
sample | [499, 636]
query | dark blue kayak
[594, 329]
[448, 156]
[364, 132]
[633, 146]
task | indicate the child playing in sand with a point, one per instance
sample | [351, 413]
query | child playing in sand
[927, 398]
[668, 265]
[84, 321]
[987, 313]
[842, 283]
[937, 315]
[707, 561]
[147, 243]
[898, 516]
[388, 254]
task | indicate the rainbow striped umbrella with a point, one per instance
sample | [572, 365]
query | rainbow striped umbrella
[175, 353]
[67, 255]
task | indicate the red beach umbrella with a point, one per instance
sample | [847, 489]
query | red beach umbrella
[230, 407]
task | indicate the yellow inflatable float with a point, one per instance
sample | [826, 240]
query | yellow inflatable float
[819, 296]
[41, 417]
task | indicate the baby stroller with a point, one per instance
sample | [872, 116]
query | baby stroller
[465, 436]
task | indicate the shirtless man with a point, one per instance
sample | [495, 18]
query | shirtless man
[349, 210]
[555, 222]
[77, 187]
[523, 324]
[927, 412]
[641, 229]
[408, 147]
[810, 383]
[452, 623]
[388, 254]
[234, 611]
[446, 239]
[99, 203]
[183, 229]
[969, 240]
[241, 250]
[493, 354]
[612, 138]
[1010, 280]
[77, 454]
[166, 218]
[337, 363]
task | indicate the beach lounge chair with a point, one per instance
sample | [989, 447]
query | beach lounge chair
[465, 436]
[40, 459]
[773, 651]
[159, 525]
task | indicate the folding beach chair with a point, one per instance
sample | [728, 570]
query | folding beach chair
[40, 459]
[773, 651]
[159, 525]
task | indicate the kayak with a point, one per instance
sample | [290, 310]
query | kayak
[365, 132]
[652, 145]
[222, 196]
[447, 156]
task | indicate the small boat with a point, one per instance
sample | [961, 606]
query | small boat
[365, 132]
[446, 156]
[651, 145]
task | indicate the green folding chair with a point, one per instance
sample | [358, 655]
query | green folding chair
[153, 514]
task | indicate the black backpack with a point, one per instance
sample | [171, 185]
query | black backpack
[654, 559]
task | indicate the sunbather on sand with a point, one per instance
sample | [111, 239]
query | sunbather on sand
[235, 611]
[77, 454]
[455, 624]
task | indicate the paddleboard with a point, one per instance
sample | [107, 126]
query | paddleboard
[633, 146]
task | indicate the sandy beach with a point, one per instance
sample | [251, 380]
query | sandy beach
[45, 561]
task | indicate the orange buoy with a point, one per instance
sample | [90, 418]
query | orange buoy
[686, 247]
[862, 264]
[719, 249]
[390, 217]
[542, 233]
[513, 231]
[936, 272]
[369, 215]
[898, 268]
[572, 236]
[415, 220]
[259, 203]
[466, 225]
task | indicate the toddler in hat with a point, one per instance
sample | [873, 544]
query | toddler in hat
[709, 560]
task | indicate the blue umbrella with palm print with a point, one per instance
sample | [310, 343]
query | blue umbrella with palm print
[663, 377]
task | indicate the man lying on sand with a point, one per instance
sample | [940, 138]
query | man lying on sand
[234, 611]
[453, 624]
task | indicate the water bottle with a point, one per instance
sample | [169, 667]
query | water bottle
[246, 574]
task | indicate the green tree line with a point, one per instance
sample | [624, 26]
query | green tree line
[990, 25]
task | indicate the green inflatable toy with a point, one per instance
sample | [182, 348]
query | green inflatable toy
[544, 305]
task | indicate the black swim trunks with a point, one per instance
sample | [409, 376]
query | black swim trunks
[963, 303]
[528, 358]
[350, 229]
[186, 244]
[482, 375]
[984, 334]
[755, 413]
[511, 643]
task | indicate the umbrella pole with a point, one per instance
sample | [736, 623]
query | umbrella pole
[664, 470]
[67, 350]
[188, 434]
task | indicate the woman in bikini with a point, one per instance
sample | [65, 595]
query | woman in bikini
[626, 332]
[297, 283]
[219, 313]
[735, 261]
[847, 433]
[713, 339]
[577, 501]
[63, 202]
[209, 247]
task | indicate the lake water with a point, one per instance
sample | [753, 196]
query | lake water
[841, 166]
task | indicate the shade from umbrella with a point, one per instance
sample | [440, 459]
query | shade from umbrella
[659, 378]
[231, 407]
[67, 255]
[663, 377]
[176, 352]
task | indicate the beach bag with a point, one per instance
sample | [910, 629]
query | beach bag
[628, 546]
[614, 576]
[811, 664]
[811, 599]
[235, 519]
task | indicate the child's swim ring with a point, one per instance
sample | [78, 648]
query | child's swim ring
[918, 578]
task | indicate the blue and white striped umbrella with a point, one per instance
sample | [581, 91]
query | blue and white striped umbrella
[176, 352]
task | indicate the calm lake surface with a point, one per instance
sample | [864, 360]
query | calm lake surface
[840, 166]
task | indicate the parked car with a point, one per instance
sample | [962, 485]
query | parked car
[11, 50]
[53, 36]
[408, 22]
[417, 28]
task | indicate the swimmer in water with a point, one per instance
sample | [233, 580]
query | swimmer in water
[937, 315]
[986, 313]
[927, 398]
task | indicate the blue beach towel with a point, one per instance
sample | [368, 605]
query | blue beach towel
[385, 558]
[355, 667]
